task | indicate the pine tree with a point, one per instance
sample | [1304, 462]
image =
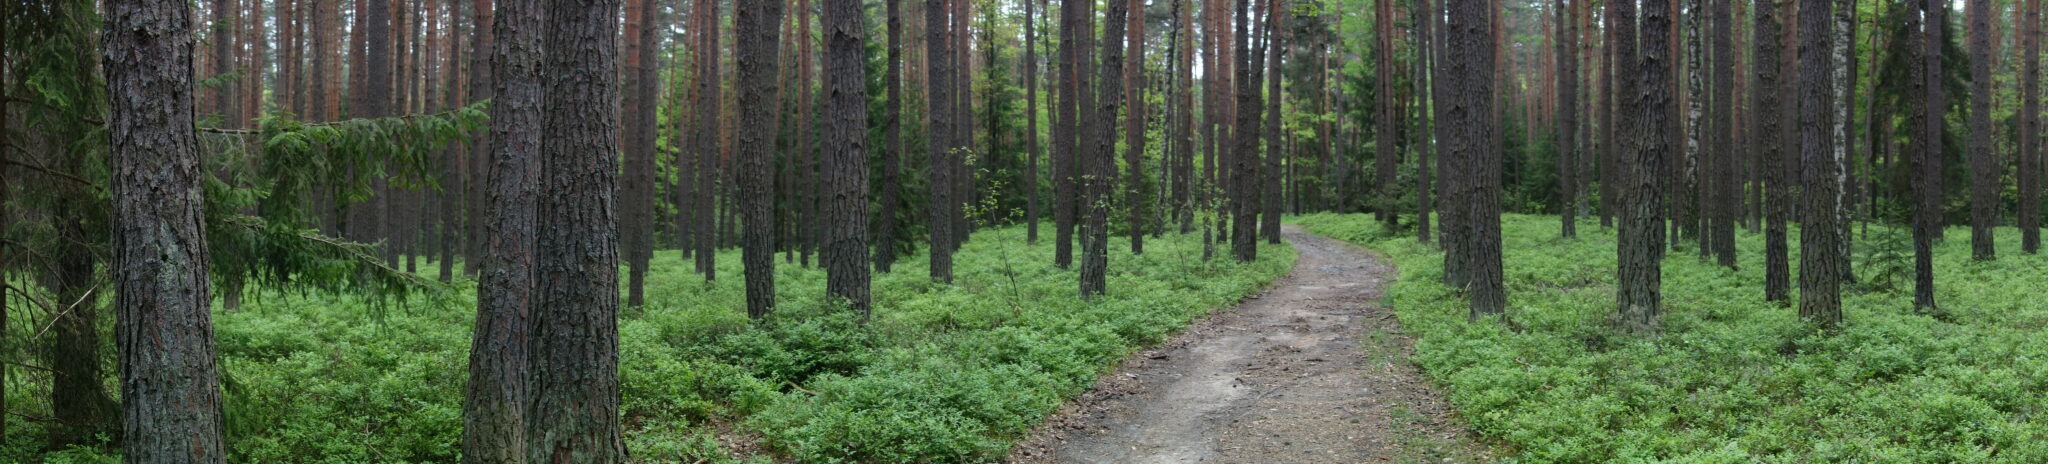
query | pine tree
[1985, 174]
[2030, 173]
[1771, 148]
[575, 335]
[170, 384]
[892, 153]
[1820, 260]
[756, 25]
[844, 251]
[494, 409]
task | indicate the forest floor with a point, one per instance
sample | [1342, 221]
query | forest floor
[1313, 369]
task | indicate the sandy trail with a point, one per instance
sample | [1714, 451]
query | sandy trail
[1313, 370]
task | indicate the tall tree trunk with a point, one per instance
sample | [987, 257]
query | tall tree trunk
[757, 24]
[482, 73]
[1244, 194]
[1383, 134]
[1100, 162]
[1985, 174]
[1641, 245]
[940, 136]
[2030, 127]
[705, 165]
[1134, 128]
[1031, 121]
[1426, 111]
[636, 189]
[170, 384]
[1691, 192]
[575, 335]
[1726, 194]
[1567, 123]
[1927, 182]
[1610, 103]
[1270, 197]
[494, 410]
[844, 253]
[1820, 261]
[1472, 148]
[885, 227]
[1771, 148]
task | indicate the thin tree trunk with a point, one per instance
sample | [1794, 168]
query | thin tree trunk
[1383, 133]
[940, 136]
[1030, 121]
[1567, 97]
[1276, 38]
[1134, 128]
[1100, 162]
[1244, 194]
[1726, 195]
[2030, 173]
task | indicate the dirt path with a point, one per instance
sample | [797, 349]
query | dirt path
[1313, 370]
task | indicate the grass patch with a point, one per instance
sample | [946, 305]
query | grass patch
[941, 374]
[1732, 378]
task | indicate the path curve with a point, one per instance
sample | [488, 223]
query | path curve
[1312, 370]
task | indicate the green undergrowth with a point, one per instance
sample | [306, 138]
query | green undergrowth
[943, 373]
[1732, 378]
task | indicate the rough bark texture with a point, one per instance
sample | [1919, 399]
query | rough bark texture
[1725, 197]
[844, 253]
[575, 362]
[1100, 162]
[1820, 261]
[1985, 174]
[1771, 147]
[888, 190]
[1927, 182]
[940, 136]
[1470, 148]
[1244, 192]
[170, 385]
[757, 23]
[494, 409]
[1270, 196]
[704, 166]
[1641, 244]
[2030, 127]
[636, 192]
[1610, 101]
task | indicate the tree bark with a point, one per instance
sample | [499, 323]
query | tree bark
[170, 384]
[637, 189]
[1134, 128]
[885, 227]
[1725, 197]
[1641, 243]
[1383, 133]
[575, 334]
[494, 410]
[705, 169]
[1031, 121]
[1100, 162]
[1985, 174]
[2030, 172]
[940, 137]
[1567, 127]
[844, 252]
[1471, 148]
[757, 24]
[1271, 197]
[1244, 194]
[1820, 261]
[1927, 182]
[1771, 146]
